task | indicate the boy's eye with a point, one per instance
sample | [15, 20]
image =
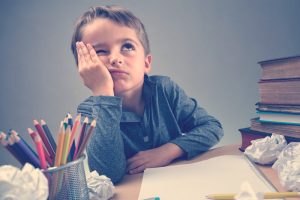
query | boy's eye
[101, 52]
[128, 47]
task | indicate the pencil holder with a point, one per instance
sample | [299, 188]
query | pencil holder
[67, 181]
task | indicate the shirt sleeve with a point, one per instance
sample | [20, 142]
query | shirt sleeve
[200, 131]
[105, 149]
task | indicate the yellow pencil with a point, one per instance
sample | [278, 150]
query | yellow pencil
[267, 195]
[65, 148]
[60, 142]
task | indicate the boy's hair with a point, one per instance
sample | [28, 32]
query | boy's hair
[116, 14]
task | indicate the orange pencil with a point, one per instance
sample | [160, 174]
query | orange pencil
[60, 142]
[40, 151]
[74, 129]
[86, 139]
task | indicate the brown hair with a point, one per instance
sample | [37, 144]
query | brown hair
[116, 14]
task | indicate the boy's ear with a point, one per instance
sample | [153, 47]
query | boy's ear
[148, 62]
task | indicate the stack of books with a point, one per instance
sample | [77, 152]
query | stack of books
[279, 106]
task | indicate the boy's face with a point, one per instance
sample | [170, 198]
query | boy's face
[120, 50]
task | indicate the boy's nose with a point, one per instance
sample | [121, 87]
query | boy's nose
[116, 61]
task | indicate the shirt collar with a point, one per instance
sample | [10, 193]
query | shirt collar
[148, 92]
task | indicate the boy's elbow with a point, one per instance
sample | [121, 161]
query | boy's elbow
[116, 178]
[217, 130]
[115, 174]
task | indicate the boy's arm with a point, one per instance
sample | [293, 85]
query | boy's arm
[105, 149]
[200, 131]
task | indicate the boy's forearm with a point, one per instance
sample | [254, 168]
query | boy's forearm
[105, 149]
[201, 138]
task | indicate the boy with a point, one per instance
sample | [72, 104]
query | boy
[142, 121]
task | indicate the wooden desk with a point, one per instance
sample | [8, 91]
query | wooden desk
[130, 187]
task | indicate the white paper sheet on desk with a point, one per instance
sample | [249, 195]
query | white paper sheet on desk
[223, 174]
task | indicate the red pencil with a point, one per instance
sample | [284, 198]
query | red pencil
[40, 150]
[44, 138]
[86, 139]
[32, 135]
[81, 136]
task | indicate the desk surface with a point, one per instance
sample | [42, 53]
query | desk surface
[130, 187]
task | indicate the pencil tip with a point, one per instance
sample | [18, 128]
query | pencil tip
[35, 122]
[29, 130]
[94, 123]
[86, 120]
[43, 122]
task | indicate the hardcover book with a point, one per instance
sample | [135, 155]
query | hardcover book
[248, 135]
[282, 129]
[278, 107]
[288, 67]
[280, 91]
[279, 117]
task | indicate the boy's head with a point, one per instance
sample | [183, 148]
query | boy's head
[116, 14]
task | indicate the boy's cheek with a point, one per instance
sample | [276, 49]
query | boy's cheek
[104, 60]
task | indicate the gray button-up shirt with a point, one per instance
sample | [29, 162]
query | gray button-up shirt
[169, 116]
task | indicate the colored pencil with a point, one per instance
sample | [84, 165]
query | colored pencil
[44, 138]
[70, 120]
[32, 135]
[19, 144]
[66, 146]
[40, 150]
[60, 142]
[267, 195]
[4, 141]
[72, 146]
[48, 134]
[86, 139]
[81, 136]
[66, 122]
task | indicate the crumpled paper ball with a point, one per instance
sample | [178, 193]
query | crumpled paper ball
[247, 193]
[266, 150]
[100, 187]
[288, 166]
[26, 184]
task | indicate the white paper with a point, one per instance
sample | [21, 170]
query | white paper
[288, 167]
[100, 187]
[247, 193]
[223, 174]
[26, 184]
[266, 150]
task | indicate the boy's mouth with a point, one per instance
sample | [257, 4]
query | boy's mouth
[118, 73]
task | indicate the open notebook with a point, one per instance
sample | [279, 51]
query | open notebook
[223, 174]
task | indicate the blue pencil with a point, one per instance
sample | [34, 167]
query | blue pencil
[49, 135]
[16, 154]
[21, 147]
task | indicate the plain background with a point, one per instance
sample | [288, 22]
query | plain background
[209, 47]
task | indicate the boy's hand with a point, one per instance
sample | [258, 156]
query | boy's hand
[93, 72]
[157, 157]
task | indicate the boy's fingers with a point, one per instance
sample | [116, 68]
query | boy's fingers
[79, 55]
[137, 170]
[135, 165]
[93, 53]
[85, 53]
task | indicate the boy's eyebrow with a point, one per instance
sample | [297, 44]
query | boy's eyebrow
[99, 45]
[121, 40]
